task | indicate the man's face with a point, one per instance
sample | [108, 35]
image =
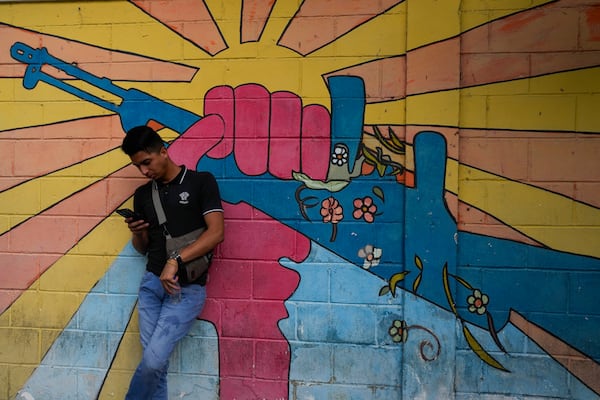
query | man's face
[152, 165]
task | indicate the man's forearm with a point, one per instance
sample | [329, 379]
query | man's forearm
[140, 242]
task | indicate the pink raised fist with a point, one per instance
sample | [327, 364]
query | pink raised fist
[266, 132]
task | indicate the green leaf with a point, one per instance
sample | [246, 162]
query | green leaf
[396, 142]
[416, 283]
[395, 280]
[463, 282]
[393, 143]
[492, 330]
[384, 290]
[332, 186]
[447, 289]
[481, 353]
[418, 262]
[369, 155]
[377, 191]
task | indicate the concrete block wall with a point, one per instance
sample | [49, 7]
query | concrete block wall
[410, 190]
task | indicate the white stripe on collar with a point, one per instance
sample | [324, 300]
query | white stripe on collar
[183, 175]
[155, 184]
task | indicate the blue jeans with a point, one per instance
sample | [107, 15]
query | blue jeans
[163, 322]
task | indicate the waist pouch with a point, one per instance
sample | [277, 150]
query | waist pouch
[193, 269]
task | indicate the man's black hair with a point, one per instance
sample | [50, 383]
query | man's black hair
[141, 138]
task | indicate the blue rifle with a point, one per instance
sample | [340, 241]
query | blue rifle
[136, 107]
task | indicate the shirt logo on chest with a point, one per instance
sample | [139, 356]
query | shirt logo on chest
[184, 198]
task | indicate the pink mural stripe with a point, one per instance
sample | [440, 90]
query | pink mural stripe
[262, 344]
[189, 18]
[502, 153]
[318, 23]
[590, 29]
[254, 18]
[86, 128]
[384, 79]
[31, 248]
[20, 278]
[69, 143]
[584, 368]
[527, 44]
[472, 220]
[434, 67]
[544, 63]
[97, 61]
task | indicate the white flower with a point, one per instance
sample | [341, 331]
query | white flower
[371, 255]
[339, 156]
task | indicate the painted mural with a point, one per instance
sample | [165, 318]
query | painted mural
[411, 195]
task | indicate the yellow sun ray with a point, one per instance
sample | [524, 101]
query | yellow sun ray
[429, 22]
[532, 103]
[124, 364]
[280, 16]
[559, 222]
[113, 25]
[388, 30]
[437, 108]
[42, 105]
[386, 113]
[41, 193]
[227, 15]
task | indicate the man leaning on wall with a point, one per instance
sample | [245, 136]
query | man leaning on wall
[168, 301]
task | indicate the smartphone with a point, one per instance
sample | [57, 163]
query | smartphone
[127, 213]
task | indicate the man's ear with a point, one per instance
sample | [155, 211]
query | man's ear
[163, 152]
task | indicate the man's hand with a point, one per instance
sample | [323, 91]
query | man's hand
[137, 226]
[139, 231]
[169, 278]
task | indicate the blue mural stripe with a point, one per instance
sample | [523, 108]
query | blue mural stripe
[79, 359]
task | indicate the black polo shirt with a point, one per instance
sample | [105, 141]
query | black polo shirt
[185, 200]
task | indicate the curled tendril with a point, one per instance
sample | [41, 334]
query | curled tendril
[426, 346]
[305, 203]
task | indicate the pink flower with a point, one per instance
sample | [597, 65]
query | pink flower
[331, 211]
[364, 208]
